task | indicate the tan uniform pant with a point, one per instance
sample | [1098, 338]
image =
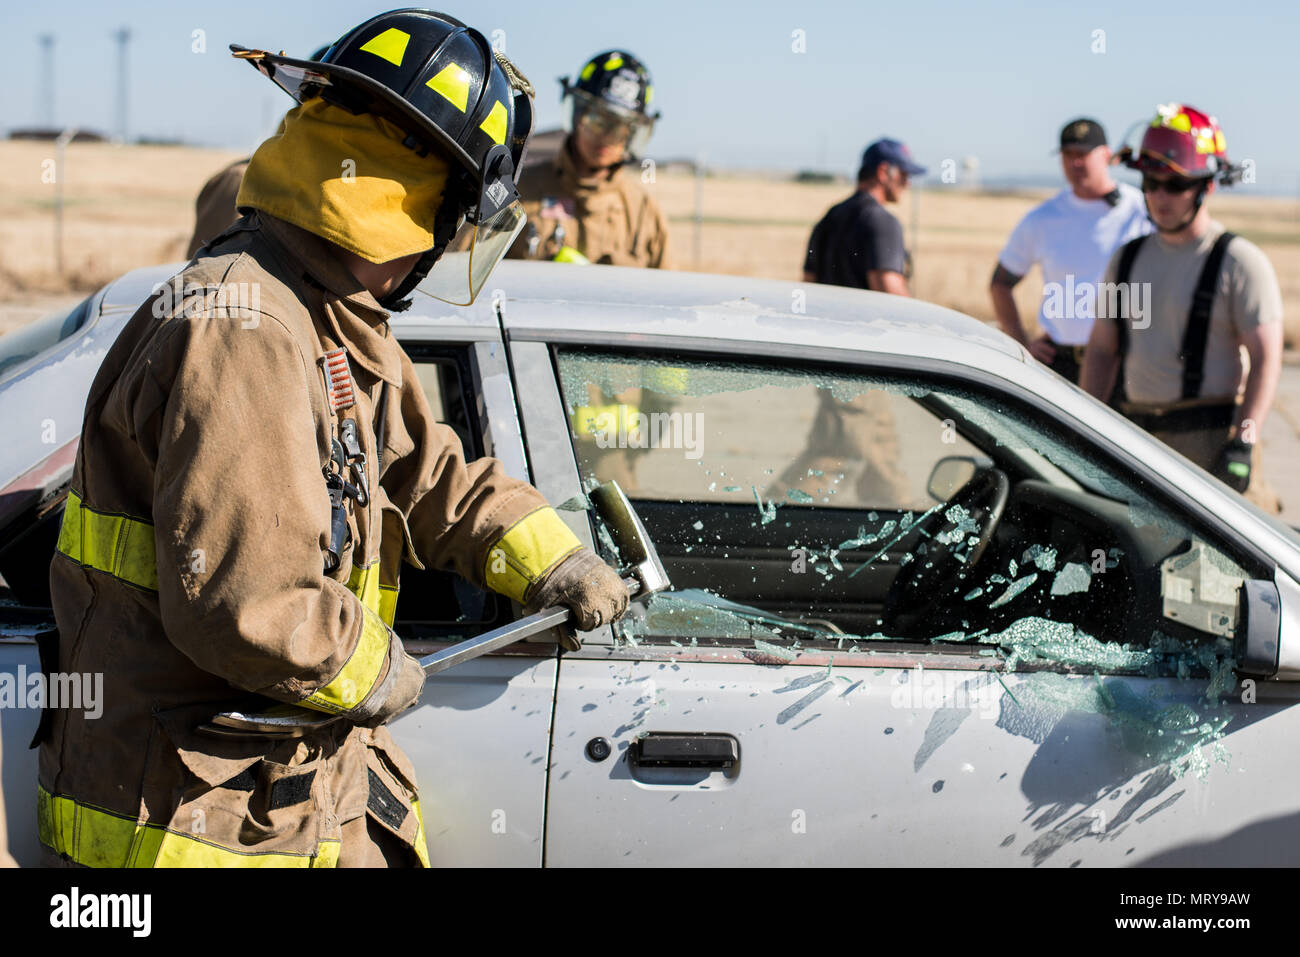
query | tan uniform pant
[1203, 446]
[861, 433]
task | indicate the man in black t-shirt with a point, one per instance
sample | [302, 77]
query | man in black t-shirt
[859, 243]
[853, 443]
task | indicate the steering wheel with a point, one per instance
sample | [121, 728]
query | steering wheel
[957, 533]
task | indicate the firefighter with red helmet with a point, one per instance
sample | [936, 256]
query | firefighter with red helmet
[1180, 307]
[582, 206]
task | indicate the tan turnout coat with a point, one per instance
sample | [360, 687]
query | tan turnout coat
[206, 432]
[612, 221]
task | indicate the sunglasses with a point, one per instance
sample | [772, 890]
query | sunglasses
[1173, 185]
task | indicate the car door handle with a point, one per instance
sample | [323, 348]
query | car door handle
[659, 749]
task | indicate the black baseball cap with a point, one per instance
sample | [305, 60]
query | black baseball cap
[890, 151]
[1084, 133]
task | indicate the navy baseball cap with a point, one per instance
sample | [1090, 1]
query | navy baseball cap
[890, 151]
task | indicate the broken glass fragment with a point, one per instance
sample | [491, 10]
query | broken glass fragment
[1044, 558]
[1072, 579]
[1014, 589]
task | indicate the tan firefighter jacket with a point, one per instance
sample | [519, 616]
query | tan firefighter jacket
[610, 221]
[189, 566]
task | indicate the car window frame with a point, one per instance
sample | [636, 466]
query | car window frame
[475, 360]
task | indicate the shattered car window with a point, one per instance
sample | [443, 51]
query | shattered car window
[674, 432]
[800, 508]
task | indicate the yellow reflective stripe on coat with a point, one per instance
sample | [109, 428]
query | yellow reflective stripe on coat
[421, 845]
[531, 547]
[358, 676]
[97, 838]
[379, 598]
[117, 544]
[609, 420]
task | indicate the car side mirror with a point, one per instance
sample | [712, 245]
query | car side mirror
[1259, 629]
[950, 473]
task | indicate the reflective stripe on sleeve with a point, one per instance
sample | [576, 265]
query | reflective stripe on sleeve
[380, 598]
[358, 676]
[527, 551]
[116, 544]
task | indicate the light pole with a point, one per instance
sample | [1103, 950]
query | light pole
[122, 37]
[45, 90]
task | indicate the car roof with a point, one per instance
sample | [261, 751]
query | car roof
[613, 299]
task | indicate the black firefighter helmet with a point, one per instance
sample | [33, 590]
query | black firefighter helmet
[613, 91]
[441, 83]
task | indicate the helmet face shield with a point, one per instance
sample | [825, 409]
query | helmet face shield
[490, 228]
[609, 124]
[297, 81]
[458, 277]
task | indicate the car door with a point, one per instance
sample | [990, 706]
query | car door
[480, 734]
[880, 652]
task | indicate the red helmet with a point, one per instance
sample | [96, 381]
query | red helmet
[1183, 140]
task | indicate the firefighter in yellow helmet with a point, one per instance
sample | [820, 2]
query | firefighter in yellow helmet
[257, 460]
[582, 206]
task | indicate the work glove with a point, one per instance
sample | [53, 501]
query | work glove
[568, 254]
[402, 692]
[1233, 465]
[587, 587]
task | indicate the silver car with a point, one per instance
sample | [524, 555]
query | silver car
[932, 604]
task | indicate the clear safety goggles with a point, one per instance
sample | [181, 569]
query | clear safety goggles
[609, 125]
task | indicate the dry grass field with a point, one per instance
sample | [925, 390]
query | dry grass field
[129, 206]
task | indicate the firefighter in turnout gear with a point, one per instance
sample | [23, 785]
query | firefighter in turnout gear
[582, 206]
[258, 459]
[1212, 296]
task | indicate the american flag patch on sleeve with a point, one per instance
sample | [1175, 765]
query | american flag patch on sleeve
[338, 380]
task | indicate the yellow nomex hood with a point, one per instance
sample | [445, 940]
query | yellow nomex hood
[348, 179]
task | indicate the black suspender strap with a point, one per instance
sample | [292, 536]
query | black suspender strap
[1122, 272]
[379, 429]
[1197, 333]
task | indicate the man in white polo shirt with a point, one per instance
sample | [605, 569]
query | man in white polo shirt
[1071, 237]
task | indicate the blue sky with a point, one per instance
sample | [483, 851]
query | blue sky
[994, 80]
